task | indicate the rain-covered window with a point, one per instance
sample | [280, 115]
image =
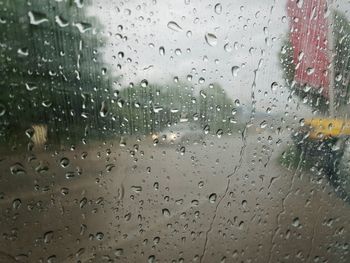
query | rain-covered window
[174, 131]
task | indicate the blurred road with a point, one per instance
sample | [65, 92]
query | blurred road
[226, 200]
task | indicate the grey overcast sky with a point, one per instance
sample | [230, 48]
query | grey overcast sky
[240, 33]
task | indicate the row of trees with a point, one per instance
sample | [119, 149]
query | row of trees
[52, 73]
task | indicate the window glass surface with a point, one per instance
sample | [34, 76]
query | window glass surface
[174, 131]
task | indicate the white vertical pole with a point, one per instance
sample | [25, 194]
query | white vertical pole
[331, 51]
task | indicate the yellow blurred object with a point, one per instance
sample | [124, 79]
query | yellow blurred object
[326, 127]
[40, 134]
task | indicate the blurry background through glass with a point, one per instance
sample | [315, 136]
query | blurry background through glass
[174, 131]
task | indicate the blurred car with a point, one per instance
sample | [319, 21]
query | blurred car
[328, 140]
[180, 133]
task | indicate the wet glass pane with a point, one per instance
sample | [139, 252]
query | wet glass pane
[174, 131]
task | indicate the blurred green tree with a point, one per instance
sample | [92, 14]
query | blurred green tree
[50, 67]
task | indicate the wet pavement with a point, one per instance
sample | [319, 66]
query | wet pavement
[227, 199]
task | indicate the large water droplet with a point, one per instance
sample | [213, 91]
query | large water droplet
[206, 129]
[218, 8]
[16, 203]
[263, 124]
[64, 162]
[310, 71]
[296, 222]
[166, 212]
[228, 47]
[212, 198]
[174, 26]
[182, 150]
[151, 259]
[30, 86]
[157, 109]
[83, 202]
[61, 21]
[83, 26]
[144, 83]
[2, 109]
[211, 39]
[274, 86]
[99, 236]
[37, 18]
[64, 191]
[136, 189]
[23, 52]
[48, 237]
[104, 109]
[79, 3]
[118, 252]
[162, 51]
[17, 169]
[234, 71]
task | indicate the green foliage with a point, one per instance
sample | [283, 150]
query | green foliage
[147, 108]
[49, 66]
[313, 97]
[51, 73]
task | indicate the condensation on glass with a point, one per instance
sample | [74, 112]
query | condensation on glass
[174, 131]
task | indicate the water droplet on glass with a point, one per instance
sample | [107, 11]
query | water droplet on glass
[274, 86]
[99, 236]
[212, 198]
[227, 47]
[178, 52]
[16, 203]
[162, 51]
[211, 39]
[263, 124]
[296, 222]
[61, 21]
[46, 103]
[151, 259]
[234, 71]
[79, 3]
[64, 191]
[82, 202]
[2, 109]
[23, 52]
[104, 71]
[52, 259]
[69, 175]
[166, 212]
[64, 162]
[37, 18]
[104, 109]
[144, 83]
[300, 3]
[219, 133]
[182, 150]
[83, 27]
[218, 8]
[136, 189]
[310, 71]
[109, 167]
[30, 86]
[174, 26]
[17, 169]
[206, 129]
[157, 109]
[48, 237]
[119, 252]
